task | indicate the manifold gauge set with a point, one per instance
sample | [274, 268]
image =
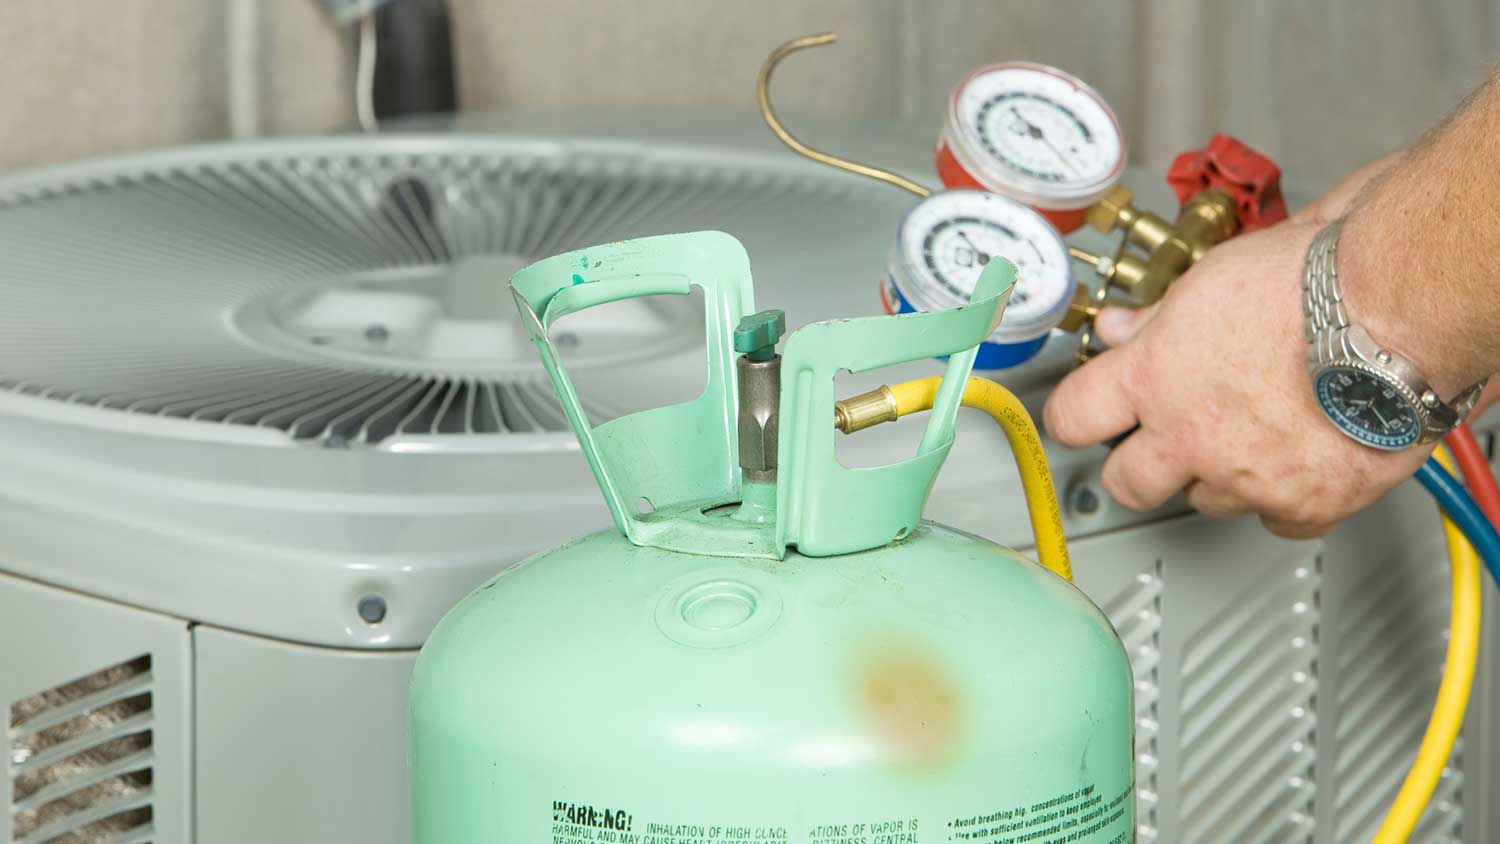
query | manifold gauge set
[1025, 150]
[1027, 154]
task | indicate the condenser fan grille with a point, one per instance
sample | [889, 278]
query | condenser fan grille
[343, 293]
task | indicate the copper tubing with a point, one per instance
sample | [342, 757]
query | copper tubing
[763, 93]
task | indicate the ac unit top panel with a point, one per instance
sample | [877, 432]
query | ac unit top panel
[351, 291]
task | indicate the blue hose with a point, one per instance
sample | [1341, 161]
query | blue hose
[1460, 507]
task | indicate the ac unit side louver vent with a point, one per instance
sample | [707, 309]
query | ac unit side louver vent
[80, 760]
[345, 294]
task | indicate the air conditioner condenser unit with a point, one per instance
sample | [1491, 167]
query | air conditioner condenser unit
[266, 413]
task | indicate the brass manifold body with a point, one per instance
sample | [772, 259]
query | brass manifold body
[1209, 217]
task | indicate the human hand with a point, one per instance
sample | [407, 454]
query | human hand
[1215, 377]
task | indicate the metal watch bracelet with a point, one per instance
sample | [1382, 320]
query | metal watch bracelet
[1332, 339]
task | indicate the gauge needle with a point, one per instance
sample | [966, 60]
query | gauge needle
[1035, 132]
[1060, 157]
[984, 257]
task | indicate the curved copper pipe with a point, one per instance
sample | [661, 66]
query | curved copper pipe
[763, 93]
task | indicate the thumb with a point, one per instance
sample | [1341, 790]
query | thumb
[1117, 325]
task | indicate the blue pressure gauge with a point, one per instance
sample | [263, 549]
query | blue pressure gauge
[944, 242]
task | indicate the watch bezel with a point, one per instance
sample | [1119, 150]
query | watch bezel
[1353, 428]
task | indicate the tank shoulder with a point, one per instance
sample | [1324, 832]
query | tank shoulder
[974, 575]
[934, 538]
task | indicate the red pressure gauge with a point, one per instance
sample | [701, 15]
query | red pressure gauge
[1035, 134]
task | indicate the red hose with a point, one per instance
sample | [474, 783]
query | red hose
[1476, 471]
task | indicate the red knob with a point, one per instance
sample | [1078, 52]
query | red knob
[1253, 179]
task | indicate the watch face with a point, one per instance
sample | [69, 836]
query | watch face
[1368, 407]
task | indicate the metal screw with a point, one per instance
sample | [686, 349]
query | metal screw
[371, 609]
[377, 333]
[1430, 398]
[1383, 356]
[1082, 500]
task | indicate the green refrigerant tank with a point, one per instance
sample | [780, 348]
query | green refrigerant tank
[768, 646]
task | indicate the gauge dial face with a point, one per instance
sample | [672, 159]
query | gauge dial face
[1039, 130]
[945, 242]
[1368, 407]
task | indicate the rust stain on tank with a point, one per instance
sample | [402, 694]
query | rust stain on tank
[913, 702]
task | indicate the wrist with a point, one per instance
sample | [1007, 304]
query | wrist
[1367, 385]
[1391, 296]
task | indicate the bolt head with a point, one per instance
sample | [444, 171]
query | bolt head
[1083, 500]
[1430, 399]
[1383, 356]
[371, 609]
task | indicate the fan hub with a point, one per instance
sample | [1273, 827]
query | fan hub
[448, 318]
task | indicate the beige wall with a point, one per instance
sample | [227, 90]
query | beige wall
[1322, 84]
[86, 77]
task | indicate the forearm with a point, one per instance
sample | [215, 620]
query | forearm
[1420, 251]
[1333, 204]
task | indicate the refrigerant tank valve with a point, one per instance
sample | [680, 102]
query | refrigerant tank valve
[759, 372]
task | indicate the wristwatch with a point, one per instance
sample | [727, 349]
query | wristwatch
[1371, 393]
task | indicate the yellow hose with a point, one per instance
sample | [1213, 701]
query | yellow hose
[1025, 443]
[1453, 694]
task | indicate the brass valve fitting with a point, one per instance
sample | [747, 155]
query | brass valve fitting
[1224, 188]
[865, 410]
[1124, 272]
[1081, 311]
[1207, 219]
[1117, 211]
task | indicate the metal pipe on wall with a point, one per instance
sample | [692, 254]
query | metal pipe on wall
[414, 73]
